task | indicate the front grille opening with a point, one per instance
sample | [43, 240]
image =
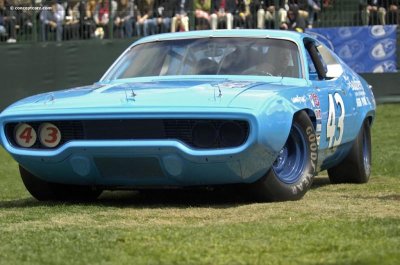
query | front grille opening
[196, 133]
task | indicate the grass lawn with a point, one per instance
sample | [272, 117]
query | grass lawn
[332, 224]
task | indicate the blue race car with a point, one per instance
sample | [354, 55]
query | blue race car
[266, 109]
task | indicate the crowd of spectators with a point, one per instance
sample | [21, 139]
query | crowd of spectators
[84, 19]
[379, 11]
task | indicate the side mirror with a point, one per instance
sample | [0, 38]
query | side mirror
[334, 70]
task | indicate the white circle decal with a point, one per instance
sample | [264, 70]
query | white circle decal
[25, 135]
[49, 135]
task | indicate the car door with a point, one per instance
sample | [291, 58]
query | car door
[334, 107]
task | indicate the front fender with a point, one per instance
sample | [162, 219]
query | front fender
[275, 122]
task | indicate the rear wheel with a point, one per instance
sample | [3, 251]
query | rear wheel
[294, 169]
[356, 167]
[47, 191]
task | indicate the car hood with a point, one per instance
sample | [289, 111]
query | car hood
[138, 93]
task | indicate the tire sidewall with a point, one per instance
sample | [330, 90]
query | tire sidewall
[274, 189]
[364, 170]
[369, 143]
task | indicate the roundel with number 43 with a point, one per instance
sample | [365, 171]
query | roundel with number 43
[48, 135]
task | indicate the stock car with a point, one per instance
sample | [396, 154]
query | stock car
[264, 109]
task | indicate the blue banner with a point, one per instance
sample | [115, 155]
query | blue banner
[368, 49]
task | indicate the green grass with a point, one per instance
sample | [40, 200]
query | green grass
[332, 224]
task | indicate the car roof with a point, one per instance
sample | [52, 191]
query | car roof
[236, 33]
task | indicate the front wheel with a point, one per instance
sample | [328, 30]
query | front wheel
[356, 167]
[293, 171]
[48, 191]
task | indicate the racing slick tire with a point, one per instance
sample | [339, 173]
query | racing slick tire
[47, 191]
[293, 171]
[356, 167]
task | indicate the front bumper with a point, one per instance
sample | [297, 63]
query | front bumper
[137, 163]
[152, 163]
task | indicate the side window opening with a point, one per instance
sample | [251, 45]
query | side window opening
[315, 59]
[313, 75]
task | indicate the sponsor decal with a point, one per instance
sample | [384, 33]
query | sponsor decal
[358, 102]
[380, 31]
[348, 32]
[314, 100]
[364, 49]
[386, 66]
[351, 50]
[298, 99]
[317, 114]
[383, 49]
[364, 101]
[356, 86]
[318, 139]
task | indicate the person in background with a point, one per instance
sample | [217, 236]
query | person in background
[105, 10]
[328, 3]
[89, 26]
[3, 30]
[124, 19]
[244, 18]
[222, 13]
[202, 14]
[163, 10]
[388, 11]
[144, 22]
[74, 14]
[180, 22]
[24, 18]
[266, 13]
[371, 12]
[7, 22]
[52, 19]
[314, 7]
[294, 21]
[301, 7]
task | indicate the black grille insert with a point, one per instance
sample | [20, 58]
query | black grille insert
[133, 129]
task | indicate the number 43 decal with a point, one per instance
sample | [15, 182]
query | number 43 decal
[335, 104]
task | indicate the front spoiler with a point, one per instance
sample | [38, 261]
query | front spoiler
[148, 163]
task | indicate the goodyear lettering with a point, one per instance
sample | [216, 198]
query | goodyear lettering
[312, 137]
[309, 130]
[307, 180]
[313, 146]
[300, 187]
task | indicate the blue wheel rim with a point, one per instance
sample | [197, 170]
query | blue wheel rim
[291, 162]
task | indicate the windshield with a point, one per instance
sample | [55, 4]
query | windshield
[209, 56]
